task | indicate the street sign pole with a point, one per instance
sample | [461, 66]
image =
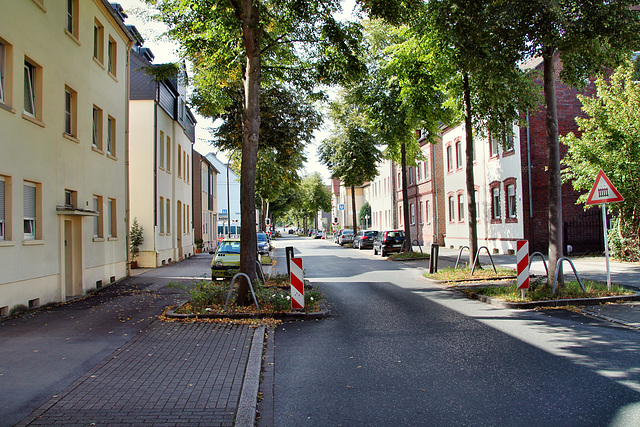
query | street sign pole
[606, 243]
[603, 192]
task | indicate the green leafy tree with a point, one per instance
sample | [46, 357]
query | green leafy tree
[609, 142]
[316, 197]
[250, 43]
[351, 152]
[365, 215]
[136, 238]
[583, 36]
[471, 49]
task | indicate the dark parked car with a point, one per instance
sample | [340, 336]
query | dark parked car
[364, 239]
[388, 241]
[264, 245]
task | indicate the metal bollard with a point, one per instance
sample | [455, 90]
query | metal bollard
[433, 260]
[289, 252]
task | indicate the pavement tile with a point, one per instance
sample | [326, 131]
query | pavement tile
[172, 373]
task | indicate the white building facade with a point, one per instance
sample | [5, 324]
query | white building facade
[162, 133]
[64, 82]
[498, 192]
[228, 198]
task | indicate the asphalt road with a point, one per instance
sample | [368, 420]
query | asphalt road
[43, 352]
[400, 350]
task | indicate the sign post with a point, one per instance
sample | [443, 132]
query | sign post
[604, 192]
[522, 262]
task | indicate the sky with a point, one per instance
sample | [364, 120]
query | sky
[166, 51]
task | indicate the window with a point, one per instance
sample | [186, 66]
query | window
[98, 42]
[460, 207]
[112, 218]
[161, 150]
[449, 159]
[72, 18]
[97, 128]
[186, 169]
[30, 210]
[98, 231]
[511, 201]
[112, 57]
[70, 112]
[3, 67]
[70, 199]
[401, 214]
[508, 144]
[421, 212]
[161, 215]
[31, 95]
[495, 203]
[111, 136]
[452, 209]
[168, 155]
[458, 154]
[426, 171]
[179, 161]
[2, 205]
[427, 211]
[493, 146]
[412, 212]
[168, 216]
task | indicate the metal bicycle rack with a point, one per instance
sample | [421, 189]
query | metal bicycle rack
[460, 254]
[260, 273]
[233, 281]
[475, 261]
[555, 281]
[543, 261]
[417, 243]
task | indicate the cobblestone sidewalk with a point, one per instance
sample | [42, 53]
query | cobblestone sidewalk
[171, 374]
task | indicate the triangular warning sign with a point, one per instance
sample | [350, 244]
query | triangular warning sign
[603, 191]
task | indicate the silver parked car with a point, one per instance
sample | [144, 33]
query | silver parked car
[346, 236]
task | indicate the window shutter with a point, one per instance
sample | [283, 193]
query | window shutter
[29, 201]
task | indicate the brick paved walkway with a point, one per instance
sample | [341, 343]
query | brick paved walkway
[171, 374]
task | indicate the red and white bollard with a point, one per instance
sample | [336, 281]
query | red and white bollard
[297, 284]
[522, 260]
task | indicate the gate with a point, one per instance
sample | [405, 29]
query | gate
[584, 233]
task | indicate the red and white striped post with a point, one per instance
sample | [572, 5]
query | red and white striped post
[522, 260]
[297, 284]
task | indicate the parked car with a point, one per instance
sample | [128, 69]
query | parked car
[364, 239]
[345, 237]
[319, 234]
[264, 245]
[388, 241]
[336, 236]
[226, 262]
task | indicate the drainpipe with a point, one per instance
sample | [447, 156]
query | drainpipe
[155, 170]
[435, 199]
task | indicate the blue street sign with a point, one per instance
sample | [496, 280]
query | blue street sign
[341, 206]
[224, 211]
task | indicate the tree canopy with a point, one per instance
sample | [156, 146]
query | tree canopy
[609, 142]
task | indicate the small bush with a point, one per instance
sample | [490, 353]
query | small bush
[623, 248]
[206, 294]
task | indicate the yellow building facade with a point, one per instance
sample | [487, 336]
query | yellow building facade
[63, 178]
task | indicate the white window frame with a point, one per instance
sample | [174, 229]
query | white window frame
[112, 218]
[458, 155]
[511, 201]
[452, 209]
[98, 221]
[449, 158]
[493, 146]
[111, 136]
[495, 203]
[460, 207]
[412, 213]
[30, 89]
[3, 205]
[96, 140]
[427, 211]
[3, 62]
[30, 211]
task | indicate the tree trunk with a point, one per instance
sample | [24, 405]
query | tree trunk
[354, 216]
[553, 152]
[248, 240]
[471, 186]
[406, 247]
